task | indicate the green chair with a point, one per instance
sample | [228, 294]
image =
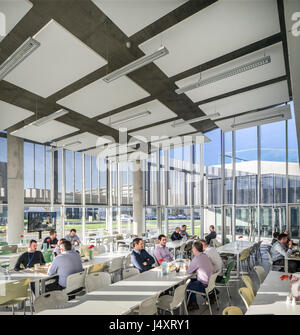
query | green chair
[224, 281]
[48, 256]
[3, 244]
[5, 252]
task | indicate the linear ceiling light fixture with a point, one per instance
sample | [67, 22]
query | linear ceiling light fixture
[130, 118]
[49, 118]
[147, 59]
[181, 123]
[18, 56]
[272, 118]
[240, 69]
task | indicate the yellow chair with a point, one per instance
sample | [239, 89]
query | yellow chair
[15, 292]
[246, 295]
[248, 282]
[232, 310]
[84, 251]
[22, 249]
[96, 268]
[260, 273]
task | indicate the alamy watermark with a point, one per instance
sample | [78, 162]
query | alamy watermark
[296, 25]
[2, 24]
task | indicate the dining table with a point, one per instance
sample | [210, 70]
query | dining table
[123, 296]
[271, 297]
[235, 248]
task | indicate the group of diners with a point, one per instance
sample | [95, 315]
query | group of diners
[282, 247]
[206, 261]
[67, 260]
[179, 234]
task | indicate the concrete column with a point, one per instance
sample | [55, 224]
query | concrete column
[137, 181]
[15, 188]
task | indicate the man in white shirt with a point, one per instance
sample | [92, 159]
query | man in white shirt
[213, 255]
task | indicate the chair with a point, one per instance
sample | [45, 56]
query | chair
[244, 256]
[180, 252]
[96, 268]
[50, 300]
[248, 282]
[127, 263]
[246, 296]
[12, 247]
[252, 252]
[22, 249]
[212, 242]
[170, 303]
[97, 280]
[115, 267]
[101, 249]
[75, 283]
[224, 281]
[188, 248]
[126, 273]
[211, 287]
[272, 266]
[48, 256]
[15, 292]
[232, 310]
[148, 306]
[260, 273]
[12, 262]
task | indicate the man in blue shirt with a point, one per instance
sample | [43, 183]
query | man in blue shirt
[140, 258]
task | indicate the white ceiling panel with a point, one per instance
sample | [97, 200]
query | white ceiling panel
[13, 12]
[45, 133]
[162, 131]
[87, 140]
[141, 12]
[109, 150]
[100, 97]
[214, 31]
[256, 118]
[263, 73]
[159, 112]
[240, 103]
[10, 115]
[60, 60]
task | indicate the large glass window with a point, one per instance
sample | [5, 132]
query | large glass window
[3, 170]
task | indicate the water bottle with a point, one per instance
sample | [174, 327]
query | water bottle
[164, 268]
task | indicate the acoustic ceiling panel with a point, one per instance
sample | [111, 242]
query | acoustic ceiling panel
[100, 97]
[139, 116]
[45, 133]
[11, 12]
[212, 32]
[11, 115]
[240, 103]
[60, 60]
[257, 75]
[142, 12]
[87, 140]
[162, 131]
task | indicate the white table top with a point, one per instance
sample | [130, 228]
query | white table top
[271, 297]
[122, 296]
[235, 247]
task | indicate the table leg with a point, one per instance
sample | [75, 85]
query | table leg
[286, 268]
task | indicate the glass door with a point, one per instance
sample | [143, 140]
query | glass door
[295, 222]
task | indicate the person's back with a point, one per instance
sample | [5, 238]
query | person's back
[203, 267]
[68, 262]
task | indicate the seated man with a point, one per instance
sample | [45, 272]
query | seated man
[202, 266]
[58, 249]
[176, 234]
[214, 256]
[161, 251]
[73, 238]
[53, 240]
[275, 237]
[140, 258]
[183, 231]
[211, 235]
[28, 259]
[278, 253]
[67, 263]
